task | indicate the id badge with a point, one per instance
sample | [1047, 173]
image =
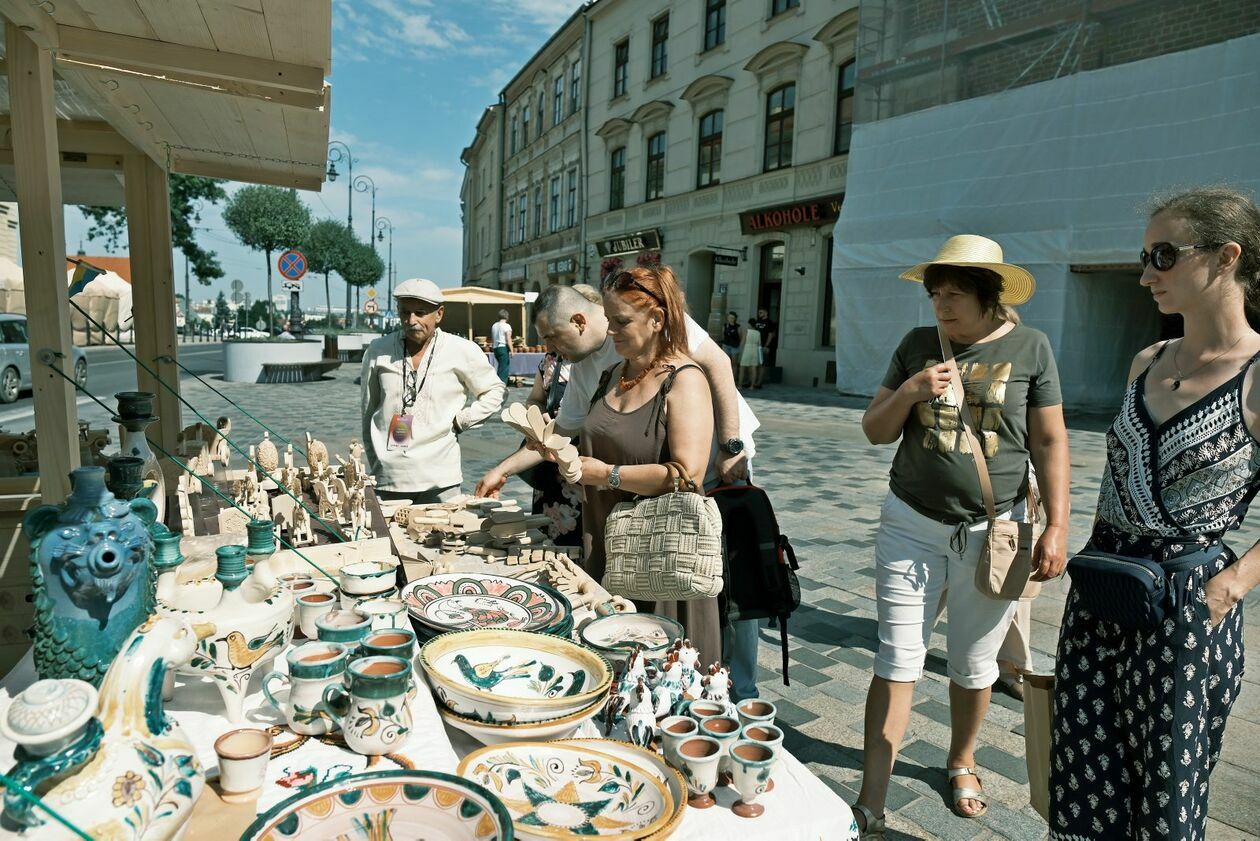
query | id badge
[399, 432]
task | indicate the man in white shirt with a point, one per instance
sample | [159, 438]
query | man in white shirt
[415, 384]
[501, 343]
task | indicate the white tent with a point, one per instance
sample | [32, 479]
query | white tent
[107, 299]
[12, 296]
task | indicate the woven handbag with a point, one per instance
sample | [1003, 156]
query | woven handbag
[667, 547]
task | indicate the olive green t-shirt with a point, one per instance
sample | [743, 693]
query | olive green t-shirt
[933, 471]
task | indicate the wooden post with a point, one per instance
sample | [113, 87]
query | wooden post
[38, 164]
[153, 293]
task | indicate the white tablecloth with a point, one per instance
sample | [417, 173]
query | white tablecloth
[523, 364]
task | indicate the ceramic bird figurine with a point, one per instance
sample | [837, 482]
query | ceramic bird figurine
[687, 654]
[717, 687]
[641, 720]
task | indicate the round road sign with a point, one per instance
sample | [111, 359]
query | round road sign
[292, 264]
[370, 307]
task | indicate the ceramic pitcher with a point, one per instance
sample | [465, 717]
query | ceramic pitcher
[374, 708]
[312, 668]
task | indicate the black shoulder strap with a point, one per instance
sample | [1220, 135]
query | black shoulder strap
[663, 394]
[602, 388]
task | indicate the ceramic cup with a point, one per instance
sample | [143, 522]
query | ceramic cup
[389, 642]
[351, 601]
[751, 766]
[313, 667]
[766, 734]
[700, 710]
[756, 711]
[301, 588]
[289, 579]
[673, 730]
[373, 708]
[344, 626]
[385, 613]
[367, 577]
[243, 756]
[699, 756]
[311, 606]
[725, 730]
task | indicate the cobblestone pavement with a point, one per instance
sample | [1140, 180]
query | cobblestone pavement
[827, 484]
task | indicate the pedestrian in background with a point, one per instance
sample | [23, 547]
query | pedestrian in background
[934, 523]
[732, 339]
[1140, 708]
[768, 328]
[751, 355]
[501, 343]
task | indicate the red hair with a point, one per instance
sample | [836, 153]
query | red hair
[655, 287]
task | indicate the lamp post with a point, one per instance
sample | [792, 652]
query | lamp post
[383, 224]
[363, 184]
[336, 154]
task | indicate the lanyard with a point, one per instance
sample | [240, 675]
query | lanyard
[413, 383]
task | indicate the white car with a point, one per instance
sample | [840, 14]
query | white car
[15, 357]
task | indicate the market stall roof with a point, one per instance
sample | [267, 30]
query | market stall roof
[482, 295]
[226, 90]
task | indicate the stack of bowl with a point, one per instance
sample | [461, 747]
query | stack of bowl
[501, 686]
[462, 601]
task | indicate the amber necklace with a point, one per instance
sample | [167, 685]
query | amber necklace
[626, 385]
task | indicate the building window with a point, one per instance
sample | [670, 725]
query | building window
[571, 213]
[521, 217]
[617, 179]
[557, 101]
[829, 301]
[621, 67]
[538, 211]
[554, 208]
[780, 119]
[714, 23]
[542, 107]
[709, 164]
[656, 166]
[525, 126]
[844, 107]
[778, 7]
[511, 231]
[660, 41]
[514, 136]
[575, 87]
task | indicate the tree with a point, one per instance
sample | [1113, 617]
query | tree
[326, 247]
[267, 219]
[363, 267]
[222, 313]
[187, 193]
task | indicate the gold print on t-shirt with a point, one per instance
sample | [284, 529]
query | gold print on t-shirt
[985, 385]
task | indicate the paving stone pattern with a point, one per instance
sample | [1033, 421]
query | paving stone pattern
[827, 484]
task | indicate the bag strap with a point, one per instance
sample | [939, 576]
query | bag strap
[964, 415]
[602, 388]
[680, 478]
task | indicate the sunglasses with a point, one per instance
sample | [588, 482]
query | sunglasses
[1163, 255]
[624, 280]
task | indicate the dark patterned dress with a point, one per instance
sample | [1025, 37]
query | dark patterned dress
[1139, 716]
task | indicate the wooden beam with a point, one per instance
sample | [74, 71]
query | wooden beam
[43, 257]
[247, 174]
[38, 25]
[153, 285]
[88, 137]
[72, 160]
[112, 105]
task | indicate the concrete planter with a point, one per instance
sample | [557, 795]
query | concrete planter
[243, 361]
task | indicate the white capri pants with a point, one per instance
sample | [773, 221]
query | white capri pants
[914, 566]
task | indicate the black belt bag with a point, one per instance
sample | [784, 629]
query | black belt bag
[1132, 592]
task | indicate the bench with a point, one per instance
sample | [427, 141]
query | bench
[297, 372]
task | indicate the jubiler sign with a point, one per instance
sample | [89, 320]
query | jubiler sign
[630, 243]
[813, 213]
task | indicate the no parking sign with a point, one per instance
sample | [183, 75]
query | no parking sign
[292, 265]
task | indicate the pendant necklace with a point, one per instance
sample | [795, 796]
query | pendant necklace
[1180, 376]
[626, 385]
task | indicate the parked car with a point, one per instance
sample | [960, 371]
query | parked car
[15, 357]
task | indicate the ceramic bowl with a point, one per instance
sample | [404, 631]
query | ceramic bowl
[559, 791]
[648, 761]
[615, 636]
[365, 577]
[464, 600]
[497, 733]
[494, 675]
[385, 804]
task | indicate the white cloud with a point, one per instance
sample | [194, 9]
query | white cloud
[549, 13]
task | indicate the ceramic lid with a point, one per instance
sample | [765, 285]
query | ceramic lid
[48, 710]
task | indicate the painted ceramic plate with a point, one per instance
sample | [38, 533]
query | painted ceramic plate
[499, 732]
[558, 791]
[621, 632]
[464, 600]
[388, 804]
[648, 761]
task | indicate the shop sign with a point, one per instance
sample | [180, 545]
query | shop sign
[812, 213]
[725, 260]
[562, 266]
[630, 243]
[514, 273]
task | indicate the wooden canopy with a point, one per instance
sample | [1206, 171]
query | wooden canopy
[461, 318]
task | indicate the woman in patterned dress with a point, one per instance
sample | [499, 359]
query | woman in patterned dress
[1139, 715]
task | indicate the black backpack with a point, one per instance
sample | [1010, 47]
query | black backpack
[759, 566]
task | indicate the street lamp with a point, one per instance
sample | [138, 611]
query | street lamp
[363, 184]
[383, 224]
[336, 154]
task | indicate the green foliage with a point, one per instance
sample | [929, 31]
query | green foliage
[222, 313]
[363, 266]
[186, 193]
[267, 218]
[326, 246]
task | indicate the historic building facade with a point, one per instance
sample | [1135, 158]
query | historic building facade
[481, 197]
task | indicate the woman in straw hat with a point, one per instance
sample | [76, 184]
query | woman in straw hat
[1140, 706]
[933, 523]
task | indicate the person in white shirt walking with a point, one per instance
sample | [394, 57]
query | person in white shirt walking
[416, 382]
[501, 341]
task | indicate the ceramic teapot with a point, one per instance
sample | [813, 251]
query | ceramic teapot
[250, 616]
[91, 576]
[119, 767]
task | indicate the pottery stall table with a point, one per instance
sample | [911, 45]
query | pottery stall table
[523, 364]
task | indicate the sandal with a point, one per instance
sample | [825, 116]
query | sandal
[961, 794]
[874, 826]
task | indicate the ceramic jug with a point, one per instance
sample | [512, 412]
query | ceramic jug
[313, 667]
[135, 415]
[91, 576]
[374, 707]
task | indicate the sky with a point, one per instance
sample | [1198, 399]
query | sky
[410, 80]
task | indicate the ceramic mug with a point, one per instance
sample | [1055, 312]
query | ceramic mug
[352, 601]
[344, 626]
[765, 734]
[290, 579]
[302, 587]
[673, 730]
[374, 707]
[243, 756]
[725, 729]
[311, 606]
[700, 710]
[367, 577]
[313, 667]
[385, 613]
[389, 642]
[751, 766]
[756, 711]
[699, 756]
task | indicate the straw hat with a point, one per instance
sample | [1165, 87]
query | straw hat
[982, 253]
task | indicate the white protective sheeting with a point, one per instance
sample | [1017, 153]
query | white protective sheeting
[107, 299]
[12, 292]
[1058, 173]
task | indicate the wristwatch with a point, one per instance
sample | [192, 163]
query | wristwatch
[732, 446]
[614, 477]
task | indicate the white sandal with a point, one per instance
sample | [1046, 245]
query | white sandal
[961, 794]
[874, 826]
